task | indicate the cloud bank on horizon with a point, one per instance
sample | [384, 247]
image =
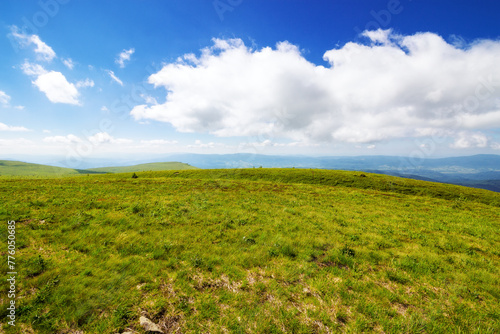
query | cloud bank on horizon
[390, 87]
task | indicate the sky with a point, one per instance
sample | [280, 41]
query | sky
[87, 79]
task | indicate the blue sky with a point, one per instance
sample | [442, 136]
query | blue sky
[86, 79]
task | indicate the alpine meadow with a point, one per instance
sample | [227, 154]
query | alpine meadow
[253, 251]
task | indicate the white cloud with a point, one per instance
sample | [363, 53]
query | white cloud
[68, 63]
[85, 83]
[470, 140]
[5, 127]
[69, 139]
[104, 108]
[96, 139]
[57, 88]
[114, 77]
[392, 87]
[149, 99]
[32, 69]
[46, 131]
[4, 98]
[43, 51]
[124, 56]
[380, 36]
[19, 107]
[106, 138]
[267, 143]
[54, 84]
[159, 142]
[15, 143]
[200, 144]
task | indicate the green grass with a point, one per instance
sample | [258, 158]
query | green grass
[154, 166]
[253, 251]
[17, 168]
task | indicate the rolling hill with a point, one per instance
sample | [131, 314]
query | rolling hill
[252, 251]
[18, 168]
[478, 171]
[155, 166]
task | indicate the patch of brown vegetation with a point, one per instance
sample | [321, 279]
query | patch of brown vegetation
[171, 324]
[401, 308]
[331, 264]
[223, 282]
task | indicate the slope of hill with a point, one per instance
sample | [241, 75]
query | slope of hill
[18, 168]
[479, 171]
[357, 180]
[155, 166]
[252, 251]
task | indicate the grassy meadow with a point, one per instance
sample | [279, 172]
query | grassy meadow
[153, 166]
[10, 168]
[17, 168]
[251, 251]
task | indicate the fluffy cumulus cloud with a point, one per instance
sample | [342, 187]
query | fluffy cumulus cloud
[57, 88]
[43, 51]
[5, 127]
[54, 84]
[124, 56]
[391, 86]
[466, 139]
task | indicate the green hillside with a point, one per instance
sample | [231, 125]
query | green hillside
[252, 251]
[18, 168]
[155, 166]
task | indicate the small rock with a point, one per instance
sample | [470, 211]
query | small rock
[149, 326]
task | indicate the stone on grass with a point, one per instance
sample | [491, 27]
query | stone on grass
[149, 326]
